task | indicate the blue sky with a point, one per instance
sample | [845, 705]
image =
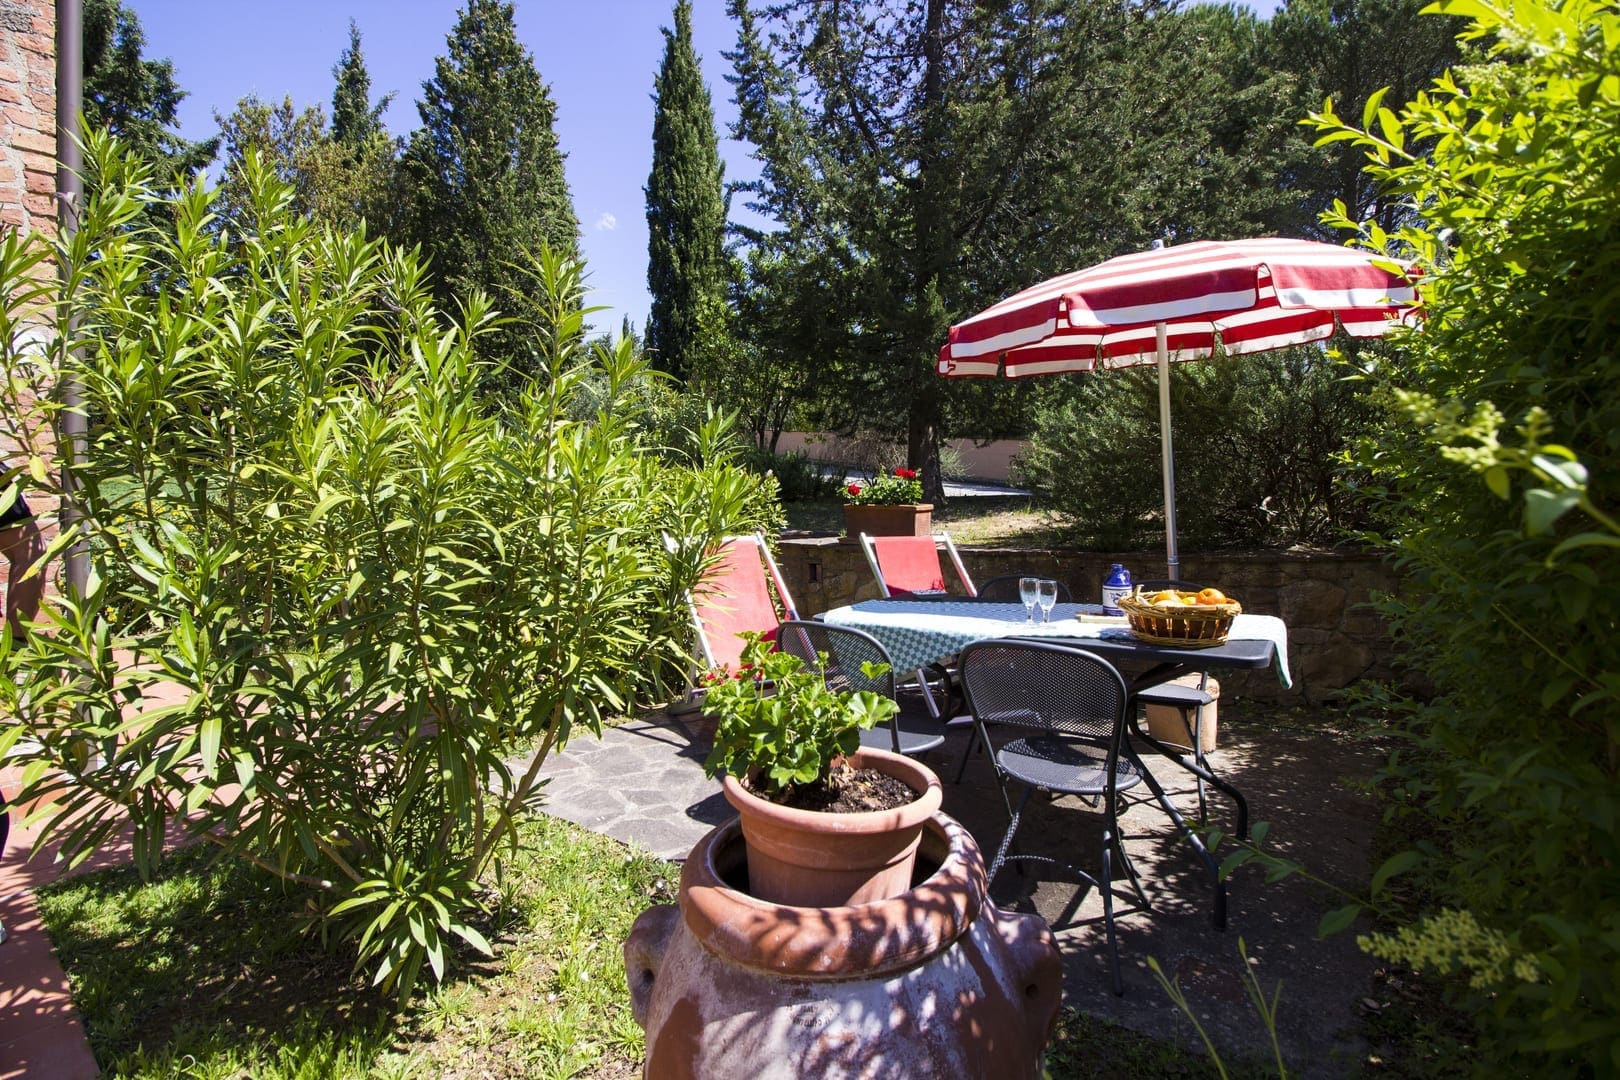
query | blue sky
[598, 56]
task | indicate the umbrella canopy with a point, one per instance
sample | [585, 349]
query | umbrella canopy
[1176, 303]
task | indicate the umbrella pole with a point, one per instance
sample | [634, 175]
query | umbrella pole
[1171, 560]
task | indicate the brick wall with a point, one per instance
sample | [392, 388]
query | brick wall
[1333, 639]
[28, 115]
[28, 153]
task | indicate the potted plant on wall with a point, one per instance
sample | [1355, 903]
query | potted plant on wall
[824, 822]
[889, 504]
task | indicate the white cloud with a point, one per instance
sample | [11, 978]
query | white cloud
[607, 223]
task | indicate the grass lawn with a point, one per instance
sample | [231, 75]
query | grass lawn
[977, 521]
[211, 972]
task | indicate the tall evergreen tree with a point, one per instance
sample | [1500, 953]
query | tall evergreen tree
[356, 122]
[931, 153]
[134, 98]
[486, 174]
[686, 214]
[370, 190]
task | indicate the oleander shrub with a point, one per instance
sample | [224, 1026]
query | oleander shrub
[373, 582]
[1257, 446]
[1495, 474]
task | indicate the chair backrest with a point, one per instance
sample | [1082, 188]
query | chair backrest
[837, 652]
[1052, 687]
[907, 565]
[734, 596]
[1004, 590]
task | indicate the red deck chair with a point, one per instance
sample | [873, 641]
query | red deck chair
[735, 596]
[909, 565]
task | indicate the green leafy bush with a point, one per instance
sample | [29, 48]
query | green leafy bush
[1495, 471]
[778, 717]
[369, 584]
[799, 477]
[1256, 443]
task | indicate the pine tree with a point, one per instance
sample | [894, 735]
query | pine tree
[134, 98]
[486, 174]
[685, 209]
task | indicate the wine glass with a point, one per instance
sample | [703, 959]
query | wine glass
[1046, 594]
[1029, 592]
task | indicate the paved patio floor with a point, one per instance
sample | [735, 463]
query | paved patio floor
[642, 783]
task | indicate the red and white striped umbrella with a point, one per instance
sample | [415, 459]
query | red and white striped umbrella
[1175, 303]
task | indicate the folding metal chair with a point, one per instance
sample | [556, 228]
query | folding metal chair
[910, 566]
[1071, 704]
[1004, 590]
[735, 597]
[837, 653]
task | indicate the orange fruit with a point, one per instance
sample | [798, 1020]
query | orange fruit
[1210, 596]
[1164, 597]
[1169, 599]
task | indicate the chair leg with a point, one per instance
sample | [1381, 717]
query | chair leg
[1130, 869]
[1006, 841]
[1192, 838]
[1110, 827]
[1195, 728]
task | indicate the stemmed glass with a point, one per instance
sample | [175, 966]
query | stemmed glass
[1046, 594]
[1029, 592]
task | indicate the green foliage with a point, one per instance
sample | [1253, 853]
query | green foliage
[778, 717]
[1349, 52]
[1509, 540]
[799, 478]
[485, 175]
[686, 215]
[1257, 440]
[887, 489]
[363, 591]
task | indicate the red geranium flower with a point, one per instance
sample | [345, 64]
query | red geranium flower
[906, 474]
[854, 489]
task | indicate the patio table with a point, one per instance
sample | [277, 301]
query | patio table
[922, 632]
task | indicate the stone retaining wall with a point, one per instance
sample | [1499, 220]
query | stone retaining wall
[1333, 638]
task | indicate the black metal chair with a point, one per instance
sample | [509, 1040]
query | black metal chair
[837, 652]
[1187, 701]
[1072, 704]
[1004, 590]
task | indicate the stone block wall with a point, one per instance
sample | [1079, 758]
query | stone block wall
[1333, 638]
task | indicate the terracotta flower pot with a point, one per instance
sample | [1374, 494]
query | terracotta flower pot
[907, 519]
[936, 982]
[812, 858]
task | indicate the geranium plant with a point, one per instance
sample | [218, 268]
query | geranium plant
[779, 723]
[898, 488]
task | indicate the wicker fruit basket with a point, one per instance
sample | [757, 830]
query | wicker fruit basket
[1193, 626]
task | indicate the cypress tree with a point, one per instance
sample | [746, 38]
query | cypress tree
[486, 174]
[355, 121]
[685, 210]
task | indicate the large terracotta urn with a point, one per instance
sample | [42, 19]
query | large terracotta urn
[818, 859]
[906, 519]
[935, 982]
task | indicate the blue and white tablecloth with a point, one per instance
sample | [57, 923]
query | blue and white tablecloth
[919, 632]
